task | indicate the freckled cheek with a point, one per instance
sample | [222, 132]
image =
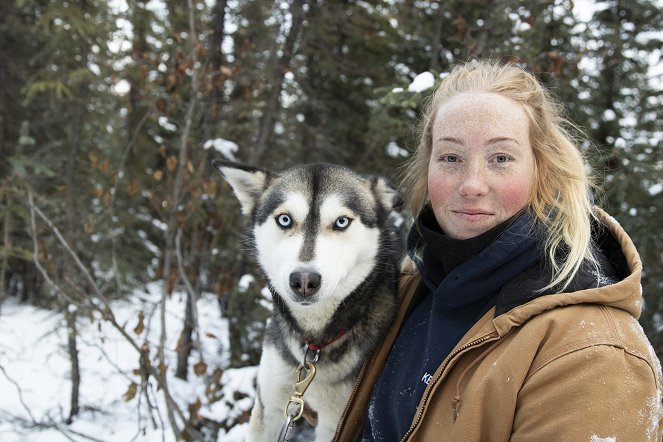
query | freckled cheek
[515, 194]
[440, 188]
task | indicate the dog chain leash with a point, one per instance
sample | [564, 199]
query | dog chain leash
[305, 372]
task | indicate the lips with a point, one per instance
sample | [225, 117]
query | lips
[472, 212]
[473, 215]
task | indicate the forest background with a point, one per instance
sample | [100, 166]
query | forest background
[111, 112]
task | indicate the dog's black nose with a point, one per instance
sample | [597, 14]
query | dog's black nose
[305, 283]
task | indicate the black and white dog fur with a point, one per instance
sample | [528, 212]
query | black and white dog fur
[322, 237]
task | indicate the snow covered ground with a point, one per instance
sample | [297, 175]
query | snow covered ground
[35, 381]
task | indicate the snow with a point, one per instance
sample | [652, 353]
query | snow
[245, 281]
[226, 148]
[121, 87]
[395, 151]
[35, 379]
[609, 115]
[585, 9]
[422, 82]
[236, 382]
[166, 124]
[656, 189]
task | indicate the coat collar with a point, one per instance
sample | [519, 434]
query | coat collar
[618, 286]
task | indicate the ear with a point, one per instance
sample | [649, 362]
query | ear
[248, 182]
[386, 193]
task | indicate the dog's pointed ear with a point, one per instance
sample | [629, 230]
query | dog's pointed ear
[248, 182]
[386, 193]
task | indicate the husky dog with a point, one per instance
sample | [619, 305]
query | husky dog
[322, 238]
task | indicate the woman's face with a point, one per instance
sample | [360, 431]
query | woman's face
[481, 170]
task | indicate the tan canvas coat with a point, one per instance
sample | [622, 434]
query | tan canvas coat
[565, 367]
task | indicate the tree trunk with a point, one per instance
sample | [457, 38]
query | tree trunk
[136, 77]
[267, 121]
[185, 343]
[6, 241]
[437, 39]
[72, 214]
[5, 153]
[72, 349]
[486, 33]
[211, 116]
[171, 250]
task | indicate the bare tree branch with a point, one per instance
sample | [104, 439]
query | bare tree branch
[19, 392]
[33, 422]
[159, 372]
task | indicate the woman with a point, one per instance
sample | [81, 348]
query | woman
[520, 320]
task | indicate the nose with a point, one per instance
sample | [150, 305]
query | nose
[305, 283]
[473, 182]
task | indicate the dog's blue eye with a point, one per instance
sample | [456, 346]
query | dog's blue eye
[342, 223]
[284, 221]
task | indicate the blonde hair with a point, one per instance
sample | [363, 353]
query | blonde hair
[560, 199]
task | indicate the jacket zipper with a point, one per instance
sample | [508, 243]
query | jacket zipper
[427, 393]
[360, 376]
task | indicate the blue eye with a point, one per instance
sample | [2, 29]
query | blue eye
[342, 223]
[501, 159]
[449, 158]
[284, 221]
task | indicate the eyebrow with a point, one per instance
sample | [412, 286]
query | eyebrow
[491, 141]
[452, 139]
[500, 139]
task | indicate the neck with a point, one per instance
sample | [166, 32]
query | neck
[442, 254]
[315, 330]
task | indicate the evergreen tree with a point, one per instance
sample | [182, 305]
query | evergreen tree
[621, 102]
[346, 52]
